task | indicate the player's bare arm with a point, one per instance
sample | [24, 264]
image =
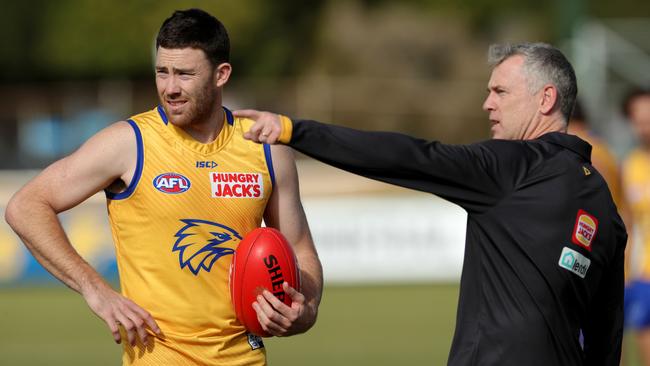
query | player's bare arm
[285, 213]
[106, 160]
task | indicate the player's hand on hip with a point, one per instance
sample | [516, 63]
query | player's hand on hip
[118, 311]
[267, 127]
[278, 319]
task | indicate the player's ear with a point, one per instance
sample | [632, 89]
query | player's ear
[548, 98]
[222, 74]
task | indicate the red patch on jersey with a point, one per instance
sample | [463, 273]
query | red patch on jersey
[585, 229]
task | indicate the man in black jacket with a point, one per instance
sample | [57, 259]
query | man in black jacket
[542, 280]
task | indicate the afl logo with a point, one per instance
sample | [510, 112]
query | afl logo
[171, 183]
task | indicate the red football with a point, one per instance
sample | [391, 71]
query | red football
[263, 259]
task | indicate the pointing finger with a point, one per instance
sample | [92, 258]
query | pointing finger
[254, 133]
[246, 113]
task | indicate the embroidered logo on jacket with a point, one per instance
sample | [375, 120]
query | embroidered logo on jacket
[201, 243]
[585, 229]
[236, 185]
[173, 183]
[574, 262]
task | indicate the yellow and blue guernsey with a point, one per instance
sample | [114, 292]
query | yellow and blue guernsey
[636, 183]
[176, 228]
[605, 161]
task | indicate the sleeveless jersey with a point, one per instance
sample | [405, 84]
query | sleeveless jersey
[636, 183]
[175, 229]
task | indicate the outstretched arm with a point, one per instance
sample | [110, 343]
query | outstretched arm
[32, 212]
[469, 175]
[285, 213]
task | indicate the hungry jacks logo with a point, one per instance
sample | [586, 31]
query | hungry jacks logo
[584, 229]
[236, 185]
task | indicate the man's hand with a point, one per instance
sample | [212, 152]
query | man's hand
[267, 127]
[280, 320]
[116, 310]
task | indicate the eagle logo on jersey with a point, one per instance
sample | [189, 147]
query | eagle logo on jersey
[200, 243]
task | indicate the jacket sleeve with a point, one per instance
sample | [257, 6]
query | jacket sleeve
[471, 176]
[603, 330]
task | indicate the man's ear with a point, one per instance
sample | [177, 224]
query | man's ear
[222, 74]
[548, 99]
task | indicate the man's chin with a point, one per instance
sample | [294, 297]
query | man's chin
[178, 120]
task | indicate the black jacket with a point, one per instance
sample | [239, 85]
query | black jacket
[544, 247]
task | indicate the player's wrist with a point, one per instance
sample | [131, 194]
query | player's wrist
[310, 315]
[286, 129]
[91, 285]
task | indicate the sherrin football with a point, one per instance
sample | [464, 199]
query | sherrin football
[263, 260]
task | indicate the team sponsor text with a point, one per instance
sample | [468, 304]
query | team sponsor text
[574, 262]
[585, 229]
[236, 185]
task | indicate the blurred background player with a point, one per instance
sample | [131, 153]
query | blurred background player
[175, 213]
[636, 185]
[602, 157]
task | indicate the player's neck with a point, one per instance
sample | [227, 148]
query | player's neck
[544, 126]
[207, 130]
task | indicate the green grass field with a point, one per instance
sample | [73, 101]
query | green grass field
[370, 325]
[373, 325]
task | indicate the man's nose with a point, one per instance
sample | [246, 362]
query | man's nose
[172, 87]
[488, 104]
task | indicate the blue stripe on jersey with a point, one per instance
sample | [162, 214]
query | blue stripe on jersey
[229, 116]
[162, 114]
[269, 163]
[138, 167]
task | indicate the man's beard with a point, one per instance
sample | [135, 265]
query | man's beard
[200, 109]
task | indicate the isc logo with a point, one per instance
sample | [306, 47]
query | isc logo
[171, 183]
[206, 164]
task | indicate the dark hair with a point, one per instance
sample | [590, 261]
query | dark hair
[543, 64]
[630, 97]
[196, 29]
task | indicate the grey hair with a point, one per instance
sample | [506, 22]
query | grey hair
[543, 64]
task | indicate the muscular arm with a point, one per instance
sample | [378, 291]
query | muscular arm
[32, 213]
[285, 213]
[32, 210]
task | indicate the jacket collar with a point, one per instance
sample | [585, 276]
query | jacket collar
[570, 142]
